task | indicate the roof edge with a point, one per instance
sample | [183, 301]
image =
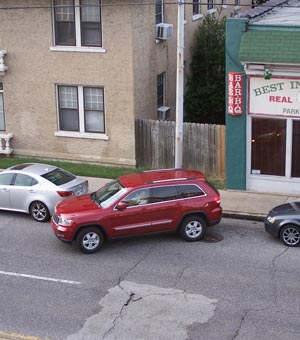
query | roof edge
[261, 9]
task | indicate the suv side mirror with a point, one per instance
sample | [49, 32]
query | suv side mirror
[121, 206]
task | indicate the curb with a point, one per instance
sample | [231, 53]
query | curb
[243, 216]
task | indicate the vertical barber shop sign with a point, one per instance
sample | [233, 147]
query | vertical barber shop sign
[235, 93]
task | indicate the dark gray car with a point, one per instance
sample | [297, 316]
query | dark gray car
[283, 222]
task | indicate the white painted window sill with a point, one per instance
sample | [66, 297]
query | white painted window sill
[197, 17]
[211, 11]
[77, 49]
[72, 134]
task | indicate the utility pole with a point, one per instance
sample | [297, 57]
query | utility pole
[179, 87]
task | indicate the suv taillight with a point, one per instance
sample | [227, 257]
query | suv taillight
[65, 193]
[217, 199]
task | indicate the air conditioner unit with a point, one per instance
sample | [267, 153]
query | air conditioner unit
[163, 113]
[164, 31]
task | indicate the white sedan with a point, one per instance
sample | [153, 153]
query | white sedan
[36, 188]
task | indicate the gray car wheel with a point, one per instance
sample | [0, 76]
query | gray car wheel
[89, 240]
[290, 235]
[192, 228]
[39, 211]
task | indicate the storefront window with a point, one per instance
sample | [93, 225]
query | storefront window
[268, 146]
[296, 149]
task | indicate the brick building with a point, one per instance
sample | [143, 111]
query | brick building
[263, 99]
[74, 74]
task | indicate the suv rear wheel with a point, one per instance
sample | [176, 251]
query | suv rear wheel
[89, 240]
[192, 228]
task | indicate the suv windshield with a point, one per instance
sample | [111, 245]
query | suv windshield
[108, 194]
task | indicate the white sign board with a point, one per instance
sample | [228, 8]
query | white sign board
[275, 96]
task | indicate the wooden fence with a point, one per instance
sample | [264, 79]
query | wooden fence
[203, 146]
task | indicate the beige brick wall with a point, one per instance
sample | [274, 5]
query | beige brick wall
[29, 85]
[127, 70]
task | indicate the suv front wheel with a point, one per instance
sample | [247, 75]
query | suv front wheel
[89, 240]
[192, 228]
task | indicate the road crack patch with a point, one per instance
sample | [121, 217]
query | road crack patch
[131, 311]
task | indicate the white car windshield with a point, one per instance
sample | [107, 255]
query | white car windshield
[108, 194]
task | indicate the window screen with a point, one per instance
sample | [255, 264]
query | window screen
[68, 108]
[93, 108]
[90, 23]
[64, 15]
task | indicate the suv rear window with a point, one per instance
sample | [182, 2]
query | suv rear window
[58, 177]
[190, 190]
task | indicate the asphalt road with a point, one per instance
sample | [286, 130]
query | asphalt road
[239, 283]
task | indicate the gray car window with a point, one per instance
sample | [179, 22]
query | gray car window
[25, 181]
[6, 179]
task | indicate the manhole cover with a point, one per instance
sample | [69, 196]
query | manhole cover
[212, 237]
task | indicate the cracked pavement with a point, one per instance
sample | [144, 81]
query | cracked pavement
[244, 287]
[137, 311]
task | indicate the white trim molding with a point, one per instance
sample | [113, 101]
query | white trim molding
[5, 147]
[3, 67]
[75, 134]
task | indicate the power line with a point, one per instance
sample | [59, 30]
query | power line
[152, 3]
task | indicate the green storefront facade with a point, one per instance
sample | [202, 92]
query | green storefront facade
[263, 99]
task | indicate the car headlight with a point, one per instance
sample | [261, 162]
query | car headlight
[64, 221]
[271, 219]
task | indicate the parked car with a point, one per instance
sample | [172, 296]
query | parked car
[36, 188]
[141, 203]
[283, 222]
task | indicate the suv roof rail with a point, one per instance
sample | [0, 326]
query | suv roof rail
[171, 180]
[168, 169]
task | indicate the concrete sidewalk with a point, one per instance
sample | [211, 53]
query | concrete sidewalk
[235, 203]
[251, 205]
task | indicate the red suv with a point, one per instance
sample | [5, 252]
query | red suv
[151, 201]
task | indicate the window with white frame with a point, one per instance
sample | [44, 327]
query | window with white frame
[81, 109]
[2, 121]
[236, 2]
[77, 23]
[210, 4]
[161, 79]
[159, 11]
[196, 7]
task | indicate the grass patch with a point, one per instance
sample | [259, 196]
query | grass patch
[89, 170]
